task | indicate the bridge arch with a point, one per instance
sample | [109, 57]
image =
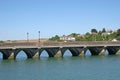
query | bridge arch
[43, 54]
[1, 55]
[97, 50]
[106, 52]
[45, 51]
[30, 52]
[67, 53]
[51, 51]
[75, 51]
[21, 55]
[88, 53]
[19, 51]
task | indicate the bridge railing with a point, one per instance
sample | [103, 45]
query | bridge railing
[50, 44]
[82, 43]
[16, 44]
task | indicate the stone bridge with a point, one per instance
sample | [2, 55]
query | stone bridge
[57, 49]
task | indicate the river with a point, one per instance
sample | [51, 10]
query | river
[65, 68]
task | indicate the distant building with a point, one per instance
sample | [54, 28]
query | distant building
[106, 33]
[114, 40]
[67, 38]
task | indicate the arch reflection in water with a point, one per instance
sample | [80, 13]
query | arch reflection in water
[67, 53]
[21, 56]
[44, 54]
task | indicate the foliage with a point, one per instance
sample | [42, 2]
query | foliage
[73, 35]
[104, 30]
[118, 38]
[95, 36]
[118, 32]
[1, 41]
[94, 31]
[55, 38]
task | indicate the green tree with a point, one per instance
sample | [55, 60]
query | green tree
[100, 32]
[94, 31]
[104, 30]
[1, 41]
[118, 38]
[73, 35]
[55, 38]
[118, 32]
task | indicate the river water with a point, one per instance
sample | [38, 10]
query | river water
[65, 68]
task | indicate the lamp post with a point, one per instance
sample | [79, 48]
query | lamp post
[27, 37]
[39, 37]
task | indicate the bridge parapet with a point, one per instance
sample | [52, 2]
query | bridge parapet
[59, 44]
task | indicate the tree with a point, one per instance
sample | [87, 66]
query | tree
[94, 31]
[104, 30]
[1, 41]
[118, 32]
[87, 33]
[73, 35]
[55, 38]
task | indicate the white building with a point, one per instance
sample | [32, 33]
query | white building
[114, 40]
[106, 33]
[67, 38]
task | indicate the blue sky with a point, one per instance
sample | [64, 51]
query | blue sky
[51, 17]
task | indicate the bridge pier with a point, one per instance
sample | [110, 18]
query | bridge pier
[99, 50]
[30, 52]
[63, 50]
[102, 53]
[118, 52]
[74, 51]
[58, 54]
[83, 51]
